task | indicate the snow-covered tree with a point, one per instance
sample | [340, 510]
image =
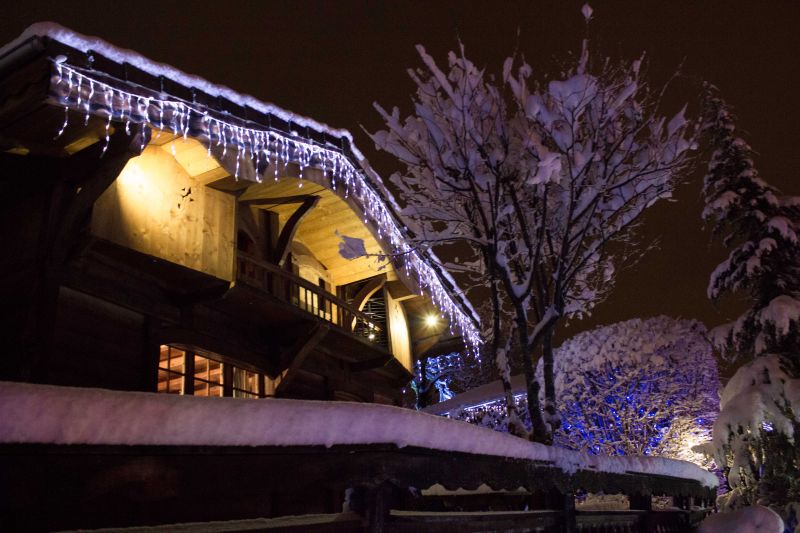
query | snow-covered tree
[755, 435]
[537, 176]
[761, 228]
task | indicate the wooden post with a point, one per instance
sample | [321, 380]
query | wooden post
[556, 500]
[570, 524]
[373, 503]
[82, 179]
[643, 502]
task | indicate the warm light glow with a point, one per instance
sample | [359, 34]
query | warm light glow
[431, 320]
[371, 336]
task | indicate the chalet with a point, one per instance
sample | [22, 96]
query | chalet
[161, 234]
[164, 234]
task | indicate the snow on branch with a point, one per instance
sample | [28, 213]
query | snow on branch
[536, 176]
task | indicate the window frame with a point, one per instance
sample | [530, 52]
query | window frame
[265, 386]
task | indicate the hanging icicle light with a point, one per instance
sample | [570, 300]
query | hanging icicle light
[69, 84]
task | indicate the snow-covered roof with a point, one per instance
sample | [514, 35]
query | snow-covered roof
[99, 46]
[31, 413]
[92, 92]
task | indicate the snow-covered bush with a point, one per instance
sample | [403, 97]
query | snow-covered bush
[755, 435]
[641, 387]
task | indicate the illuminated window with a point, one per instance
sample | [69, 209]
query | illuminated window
[245, 383]
[184, 371]
[207, 377]
[171, 370]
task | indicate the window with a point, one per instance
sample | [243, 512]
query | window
[207, 377]
[186, 371]
[245, 383]
[171, 370]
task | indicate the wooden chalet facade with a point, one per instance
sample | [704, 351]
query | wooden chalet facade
[178, 241]
[161, 234]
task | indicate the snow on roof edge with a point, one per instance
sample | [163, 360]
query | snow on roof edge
[86, 43]
[33, 413]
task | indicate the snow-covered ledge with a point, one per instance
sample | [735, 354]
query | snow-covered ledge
[64, 415]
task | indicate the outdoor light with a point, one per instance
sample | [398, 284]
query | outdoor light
[431, 320]
[371, 336]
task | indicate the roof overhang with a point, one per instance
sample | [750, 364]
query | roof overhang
[100, 85]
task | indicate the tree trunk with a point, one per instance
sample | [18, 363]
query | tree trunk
[551, 413]
[539, 431]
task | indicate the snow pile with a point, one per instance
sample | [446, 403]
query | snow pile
[755, 519]
[63, 415]
[639, 387]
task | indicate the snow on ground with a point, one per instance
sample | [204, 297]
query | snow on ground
[32, 413]
[755, 519]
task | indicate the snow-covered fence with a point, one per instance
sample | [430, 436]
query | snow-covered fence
[87, 458]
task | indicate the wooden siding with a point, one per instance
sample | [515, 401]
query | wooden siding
[156, 207]
[99, 344]
[398, 331]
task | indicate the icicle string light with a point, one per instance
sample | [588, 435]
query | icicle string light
[75, 89]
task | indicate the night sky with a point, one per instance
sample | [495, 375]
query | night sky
[331, 59]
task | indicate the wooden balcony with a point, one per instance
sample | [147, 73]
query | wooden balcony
[304, 295]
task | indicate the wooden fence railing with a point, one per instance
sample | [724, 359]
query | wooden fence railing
[56, 487]
[303, 294]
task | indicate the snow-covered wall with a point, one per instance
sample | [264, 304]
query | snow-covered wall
[63, 415]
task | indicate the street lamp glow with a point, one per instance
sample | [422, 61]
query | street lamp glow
[431, 320]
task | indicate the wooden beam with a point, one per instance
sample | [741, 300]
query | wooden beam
[297, 199]
[33, 147]
[399, 291]
[369, 364]
[298, 353]
[371, 287]
[281, 251]
[91, 172]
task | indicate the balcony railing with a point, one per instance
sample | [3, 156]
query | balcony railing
[305, 295]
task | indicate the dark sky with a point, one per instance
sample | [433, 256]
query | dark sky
[331, 59]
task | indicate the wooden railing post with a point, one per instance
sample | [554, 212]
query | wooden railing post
[564, 503]
[373, 503]
[643, 502]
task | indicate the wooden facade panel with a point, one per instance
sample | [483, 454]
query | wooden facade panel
[156, 207]
[398, 331]
[98, 344]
